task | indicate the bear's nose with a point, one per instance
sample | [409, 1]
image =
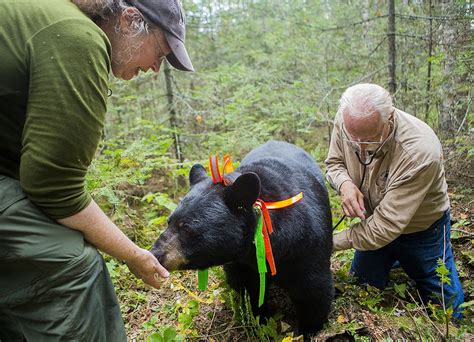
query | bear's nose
[157, 253]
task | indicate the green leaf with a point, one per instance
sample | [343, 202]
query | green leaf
[156, 337]
[169, 334]
[400, 289]
[467, 304]
[158, 221]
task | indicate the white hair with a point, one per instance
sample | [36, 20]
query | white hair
[98, 10]
[364, 99]
[110, 10]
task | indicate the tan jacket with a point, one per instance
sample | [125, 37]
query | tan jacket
[404, 190]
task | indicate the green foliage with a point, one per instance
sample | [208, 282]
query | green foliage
[188, 312]
[162, 199]
[400, 290]
[442, 272]
[113, 268]
[166, 334]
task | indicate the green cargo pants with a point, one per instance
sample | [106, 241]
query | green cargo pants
[54, 286]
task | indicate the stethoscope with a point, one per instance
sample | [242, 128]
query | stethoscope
[365, 164]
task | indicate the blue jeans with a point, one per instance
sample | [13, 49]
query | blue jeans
[417, 254]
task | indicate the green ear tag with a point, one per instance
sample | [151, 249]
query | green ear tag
[261, 263]
[202, 279]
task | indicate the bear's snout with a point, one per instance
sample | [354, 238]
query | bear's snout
[168, 251]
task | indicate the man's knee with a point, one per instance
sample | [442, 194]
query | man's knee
[367, 273]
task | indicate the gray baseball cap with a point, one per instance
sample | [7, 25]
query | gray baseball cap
[168, 15]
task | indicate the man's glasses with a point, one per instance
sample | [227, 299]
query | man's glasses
[370, 147]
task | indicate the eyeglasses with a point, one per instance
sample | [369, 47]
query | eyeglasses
[370, 147]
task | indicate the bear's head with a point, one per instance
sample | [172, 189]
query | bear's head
[214, 224]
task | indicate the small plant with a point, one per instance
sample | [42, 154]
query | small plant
[255, 328]
[400, 289]
[151, 323]
[185, 318]
[166, 334]
[443, 274]
[371, 297]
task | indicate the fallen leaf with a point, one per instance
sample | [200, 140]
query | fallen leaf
[285, 326]
[342, 319]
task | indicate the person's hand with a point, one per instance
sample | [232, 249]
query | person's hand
[146, 267]
[352, 200]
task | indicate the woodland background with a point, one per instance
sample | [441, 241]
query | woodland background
[275, 70]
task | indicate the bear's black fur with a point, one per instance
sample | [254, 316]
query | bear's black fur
[215, 225]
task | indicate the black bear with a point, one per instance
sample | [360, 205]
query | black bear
[215, 225]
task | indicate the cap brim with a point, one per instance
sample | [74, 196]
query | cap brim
[178, 57]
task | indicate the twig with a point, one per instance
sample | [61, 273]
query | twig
[469, 234]
[466, 175]
[339, 27]
[442, 284]
[413, 319]
[410, 36]
[424, 310]
[406, 16]
[224, 331]
[378, 45]
[212, 320]
[467, 112]
[369, 75]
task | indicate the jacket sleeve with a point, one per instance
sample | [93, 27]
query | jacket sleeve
[336, 170]
[69, 63]
[404, 195]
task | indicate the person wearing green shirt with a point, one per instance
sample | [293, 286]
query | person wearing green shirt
[55, 60]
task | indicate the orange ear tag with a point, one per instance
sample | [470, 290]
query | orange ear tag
[214, 166]
[228, 167]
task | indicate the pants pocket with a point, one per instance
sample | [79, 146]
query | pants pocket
[10, 193]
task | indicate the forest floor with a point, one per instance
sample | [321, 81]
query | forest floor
[178, 311]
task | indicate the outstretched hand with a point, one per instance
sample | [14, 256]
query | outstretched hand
[352, 200]
[145, 266]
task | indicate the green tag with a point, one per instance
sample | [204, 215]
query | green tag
[261, 262]
[202, 279]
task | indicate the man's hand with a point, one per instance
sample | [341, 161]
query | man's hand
[352, 200]
[145, 266]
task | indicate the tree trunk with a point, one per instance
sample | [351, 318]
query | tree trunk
[172, 111]
[430, 54]
[392, 84]
[365, 17]
[455, 39]
[445, 120]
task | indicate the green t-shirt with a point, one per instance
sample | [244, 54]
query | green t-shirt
[54, 69]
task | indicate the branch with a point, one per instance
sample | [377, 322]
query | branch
[415, 17]
[468, 234]
[378, 45]
[339, 27]
[467, 111]
[413, 319]
[410, 36]
[368, 75]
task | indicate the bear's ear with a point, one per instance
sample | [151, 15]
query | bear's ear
[197, 174]
[244, 191]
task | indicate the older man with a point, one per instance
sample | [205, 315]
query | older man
[388, 168]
